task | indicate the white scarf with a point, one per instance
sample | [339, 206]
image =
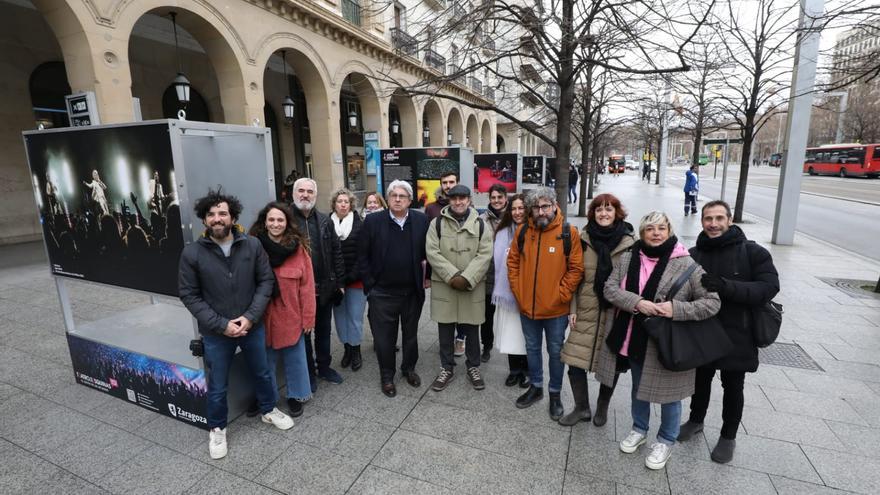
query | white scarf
[343, 227]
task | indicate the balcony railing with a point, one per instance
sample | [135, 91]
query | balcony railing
[351, 11]
[489, 93]
[435, 61]
[460, 79]
[404, 43]
[476, 85]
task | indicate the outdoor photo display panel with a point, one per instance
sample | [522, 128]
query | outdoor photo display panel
[533, 169]
[170, 389]
[107, 204]
[495, 168]
[421, 167]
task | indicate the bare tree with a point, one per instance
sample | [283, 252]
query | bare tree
[758, 36]
[533, 57]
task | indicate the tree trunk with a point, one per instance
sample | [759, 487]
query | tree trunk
[566, 102]
[586, 164]
[748, 138]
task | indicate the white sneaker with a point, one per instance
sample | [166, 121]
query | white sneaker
[279, 419]
[660, 453]
[632, 442]
[217, 443]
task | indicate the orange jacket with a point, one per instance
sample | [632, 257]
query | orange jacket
[539, 278]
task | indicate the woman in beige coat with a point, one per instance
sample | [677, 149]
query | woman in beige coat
[605, 237]
[637, 288]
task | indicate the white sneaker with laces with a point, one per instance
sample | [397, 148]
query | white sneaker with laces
[632, 442]
[660, 453]
[217, 443]
[279, 419]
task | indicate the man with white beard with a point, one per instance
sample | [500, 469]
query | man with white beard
[329, 271]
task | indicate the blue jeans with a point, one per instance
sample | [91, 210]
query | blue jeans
[555, 335]
[219, 351]
[296, 371]
[670, 413]
[349, 316]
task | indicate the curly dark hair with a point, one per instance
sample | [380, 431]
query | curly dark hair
[507, 218]
[205, 203]
[291, 233]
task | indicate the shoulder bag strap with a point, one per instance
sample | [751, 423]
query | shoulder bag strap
[680, 281]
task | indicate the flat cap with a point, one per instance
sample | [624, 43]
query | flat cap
[459, 190]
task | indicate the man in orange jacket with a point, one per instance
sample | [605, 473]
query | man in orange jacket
[545, 265]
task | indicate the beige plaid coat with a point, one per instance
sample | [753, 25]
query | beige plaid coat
[692, 302]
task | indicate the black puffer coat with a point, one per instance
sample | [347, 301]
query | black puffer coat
[350, 251]
[750, 281]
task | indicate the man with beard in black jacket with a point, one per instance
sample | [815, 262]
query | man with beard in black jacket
[329, 270]
[743, 275]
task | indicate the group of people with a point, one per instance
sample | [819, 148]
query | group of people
[512, 278]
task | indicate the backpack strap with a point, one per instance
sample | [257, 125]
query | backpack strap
[566, 239]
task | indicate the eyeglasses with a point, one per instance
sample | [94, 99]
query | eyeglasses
[399, 196]
[542, 207]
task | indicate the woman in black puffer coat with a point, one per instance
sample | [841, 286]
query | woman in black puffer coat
[348, 311]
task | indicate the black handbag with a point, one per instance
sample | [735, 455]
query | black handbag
[766, 322]
[686, 345]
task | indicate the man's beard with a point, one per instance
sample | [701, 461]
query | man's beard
[223, 234]
[303, 204]
[542, 222]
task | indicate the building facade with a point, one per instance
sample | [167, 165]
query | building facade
[342, 63]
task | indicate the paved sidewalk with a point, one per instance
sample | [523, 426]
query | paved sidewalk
[802, 432]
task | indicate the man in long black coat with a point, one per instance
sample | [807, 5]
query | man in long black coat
[743, 275]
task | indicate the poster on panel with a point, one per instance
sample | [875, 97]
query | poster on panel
[169, 389]
[107, 205]
[533, 170]
[421, 167]
[495, 168]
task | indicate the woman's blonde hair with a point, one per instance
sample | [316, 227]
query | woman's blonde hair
[655, 218]
[343, 191]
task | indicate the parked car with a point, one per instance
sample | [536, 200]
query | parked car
[632, 165]
[680, 161]
[775, 160]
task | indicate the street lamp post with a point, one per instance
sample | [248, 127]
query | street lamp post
[181, 83]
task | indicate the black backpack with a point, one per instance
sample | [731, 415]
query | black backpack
[566, 238]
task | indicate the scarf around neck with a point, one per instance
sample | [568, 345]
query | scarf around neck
[638, 341]
[604, 240]
[278, 253]
[501, 293]
[343, 226]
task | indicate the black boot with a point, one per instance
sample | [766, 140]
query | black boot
[532, 395]
[555, 406]
[356, 359]
[346, 357]
[581, 393]
[605, 393]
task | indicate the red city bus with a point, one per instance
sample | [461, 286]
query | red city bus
[845, 160]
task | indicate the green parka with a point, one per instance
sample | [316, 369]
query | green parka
[584, 340]
[458, 250]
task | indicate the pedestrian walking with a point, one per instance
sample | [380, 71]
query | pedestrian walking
[642, 276]
[291, 311]
[329, 272]
[604, 239]
[349, 313]
[392, 261]
[572, 184]
[459, 249]
[544, 272]
[691, 189]
[491, 218]
[225, 282]
[743, 275]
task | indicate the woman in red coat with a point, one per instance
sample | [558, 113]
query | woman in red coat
[292, 308]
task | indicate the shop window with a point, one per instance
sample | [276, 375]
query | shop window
[48, 87]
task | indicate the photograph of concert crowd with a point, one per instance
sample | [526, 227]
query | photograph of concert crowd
[495, 168]
[107, 205]
[167, 388]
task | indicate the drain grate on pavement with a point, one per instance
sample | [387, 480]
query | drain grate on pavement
[851, 287]
[786, 354]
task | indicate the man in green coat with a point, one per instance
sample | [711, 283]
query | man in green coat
[459, 249]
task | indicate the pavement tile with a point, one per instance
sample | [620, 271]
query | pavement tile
[370, 403]
[155, 470]
[867, 407]
[538, 444]
[175, 435]
[845, 471]
[49, 428]
[578, 484]
[606, 461]
[769, 456]
[122, 414]
[790, 428]
[821, 384]
[807, 404]
[378, 481]
[853, 354]
[96, 453]
[364, 440]
[21, 472]
[31, 373]
[770, 376]
[306, 469]
[786, 486]
[693, 476]
[859, 371]
[219, 482]
[250, 450]
[453, 466]
[7, 391]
